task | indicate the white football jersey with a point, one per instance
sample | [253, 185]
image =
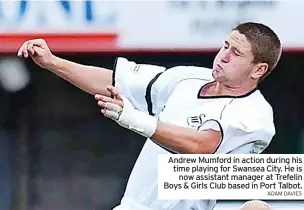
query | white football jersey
[173, 95]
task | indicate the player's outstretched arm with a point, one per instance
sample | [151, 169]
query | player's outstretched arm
[176, 138]
[90, 79]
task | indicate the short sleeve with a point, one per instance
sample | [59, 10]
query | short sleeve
[133, 80]
[148, 87]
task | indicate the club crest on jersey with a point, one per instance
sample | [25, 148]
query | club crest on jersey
[196, 121]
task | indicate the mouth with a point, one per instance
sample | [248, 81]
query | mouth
[219, 67]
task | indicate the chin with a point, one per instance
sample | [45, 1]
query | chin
[218, 77]
[215, 75]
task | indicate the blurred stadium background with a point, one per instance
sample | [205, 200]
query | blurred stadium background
[57, 151]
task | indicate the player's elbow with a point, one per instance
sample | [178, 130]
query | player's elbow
[207, 142]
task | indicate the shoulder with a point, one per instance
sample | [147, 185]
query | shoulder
[176, 73]
[256, 105]
[179, 73]
[254, 111]
[124, 65]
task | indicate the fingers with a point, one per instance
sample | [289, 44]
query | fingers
[110, 106]
[26, 49]
[104, 98]
[30, 47]
[114, 92]
[23, 50]
[38, 51]
[110, 110]
[110, 114]
[117, 101]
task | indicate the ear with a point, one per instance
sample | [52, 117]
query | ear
[259, 70]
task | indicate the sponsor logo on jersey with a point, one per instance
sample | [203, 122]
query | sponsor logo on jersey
[196, 121]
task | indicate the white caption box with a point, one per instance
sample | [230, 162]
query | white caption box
[230, 177]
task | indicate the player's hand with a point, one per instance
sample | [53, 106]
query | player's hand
[121, 110]
[110, 107]
[38, 50]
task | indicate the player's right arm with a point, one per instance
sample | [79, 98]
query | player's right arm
[90, 79]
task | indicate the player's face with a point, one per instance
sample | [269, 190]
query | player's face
[233, 64]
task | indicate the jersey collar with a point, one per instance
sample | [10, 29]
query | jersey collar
[199, 96]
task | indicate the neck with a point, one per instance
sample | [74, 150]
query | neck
[222, 89]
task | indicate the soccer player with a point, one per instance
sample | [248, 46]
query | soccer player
[255, 205]
[184, 109]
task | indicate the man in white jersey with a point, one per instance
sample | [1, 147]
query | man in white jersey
[184, 109]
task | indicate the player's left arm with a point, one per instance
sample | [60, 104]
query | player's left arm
[176, 138]
[186, 140]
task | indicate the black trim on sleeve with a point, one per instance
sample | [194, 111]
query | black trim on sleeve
[222, 133]
[114, 71]
[148, 94]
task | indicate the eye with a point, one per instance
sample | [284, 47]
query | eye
[226, 45]
[235, 53]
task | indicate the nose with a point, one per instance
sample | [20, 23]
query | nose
[226, 56]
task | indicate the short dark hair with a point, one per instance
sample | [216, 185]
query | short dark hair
[265, 44]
